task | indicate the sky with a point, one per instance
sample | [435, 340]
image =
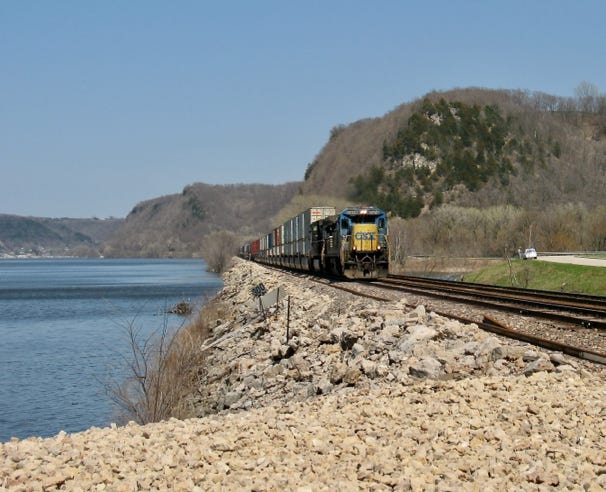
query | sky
[104, 104]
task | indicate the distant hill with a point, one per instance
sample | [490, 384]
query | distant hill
[176, 225]
[46, 236]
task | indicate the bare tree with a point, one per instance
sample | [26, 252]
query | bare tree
[218, 249]
[161, 374]
[587, 96]
[597, 229]
[397, 243]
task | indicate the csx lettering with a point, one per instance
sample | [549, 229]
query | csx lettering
[364, 236]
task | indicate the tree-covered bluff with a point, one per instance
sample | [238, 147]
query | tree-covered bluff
[444, 145]
[469, 147]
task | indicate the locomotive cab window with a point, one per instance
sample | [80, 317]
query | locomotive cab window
[364, 219]
[345, 226]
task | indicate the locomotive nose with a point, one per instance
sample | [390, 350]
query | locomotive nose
[364, 237]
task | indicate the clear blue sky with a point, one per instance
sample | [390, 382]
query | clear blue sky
[107, 103]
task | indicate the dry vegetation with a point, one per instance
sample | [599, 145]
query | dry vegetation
[218, 249]
[163, 369]
[498, 231]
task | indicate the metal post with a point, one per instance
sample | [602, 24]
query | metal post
[288, 320]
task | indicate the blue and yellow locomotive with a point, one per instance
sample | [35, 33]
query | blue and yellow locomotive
[351, 243]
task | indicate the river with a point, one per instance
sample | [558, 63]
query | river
[63, 332]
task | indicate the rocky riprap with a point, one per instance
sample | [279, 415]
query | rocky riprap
[362, 396]
[336, 340]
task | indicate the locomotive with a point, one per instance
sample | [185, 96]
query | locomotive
[351, 243]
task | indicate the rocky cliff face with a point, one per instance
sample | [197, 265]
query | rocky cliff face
[362, 395]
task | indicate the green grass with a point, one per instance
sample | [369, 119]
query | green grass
[543, 275]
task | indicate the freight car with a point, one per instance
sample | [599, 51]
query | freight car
[351, 243]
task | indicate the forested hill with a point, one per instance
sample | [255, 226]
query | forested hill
[39, 236]
[179, 224]
[469, 147]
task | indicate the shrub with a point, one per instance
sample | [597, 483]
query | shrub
[218, 248]
[163, 369]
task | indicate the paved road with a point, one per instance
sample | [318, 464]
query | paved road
[577, 260]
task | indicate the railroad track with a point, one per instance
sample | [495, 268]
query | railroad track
[565, 297]
[577, 316]
[577, 309]
[573, 324]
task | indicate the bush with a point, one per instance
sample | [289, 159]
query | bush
[218, 249]
[160, 374]
[163, 370]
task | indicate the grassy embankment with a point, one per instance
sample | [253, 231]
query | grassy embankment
[543, 275]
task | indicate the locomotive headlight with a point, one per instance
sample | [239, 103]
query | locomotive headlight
[378, 247]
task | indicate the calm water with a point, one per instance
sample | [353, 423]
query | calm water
[63, 329]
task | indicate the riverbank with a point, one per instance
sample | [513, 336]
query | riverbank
[64, 333]
[362, 395]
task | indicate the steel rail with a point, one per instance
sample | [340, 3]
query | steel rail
[493, 326]
[596, 319]
[576, 299]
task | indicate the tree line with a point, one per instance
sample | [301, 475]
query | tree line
[498, 231]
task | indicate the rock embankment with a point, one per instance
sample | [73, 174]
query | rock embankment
[335, 340]
[360, 395]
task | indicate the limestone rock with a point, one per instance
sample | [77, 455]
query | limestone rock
[426, 367]
[538, 365]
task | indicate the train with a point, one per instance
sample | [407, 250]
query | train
[352, 243]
